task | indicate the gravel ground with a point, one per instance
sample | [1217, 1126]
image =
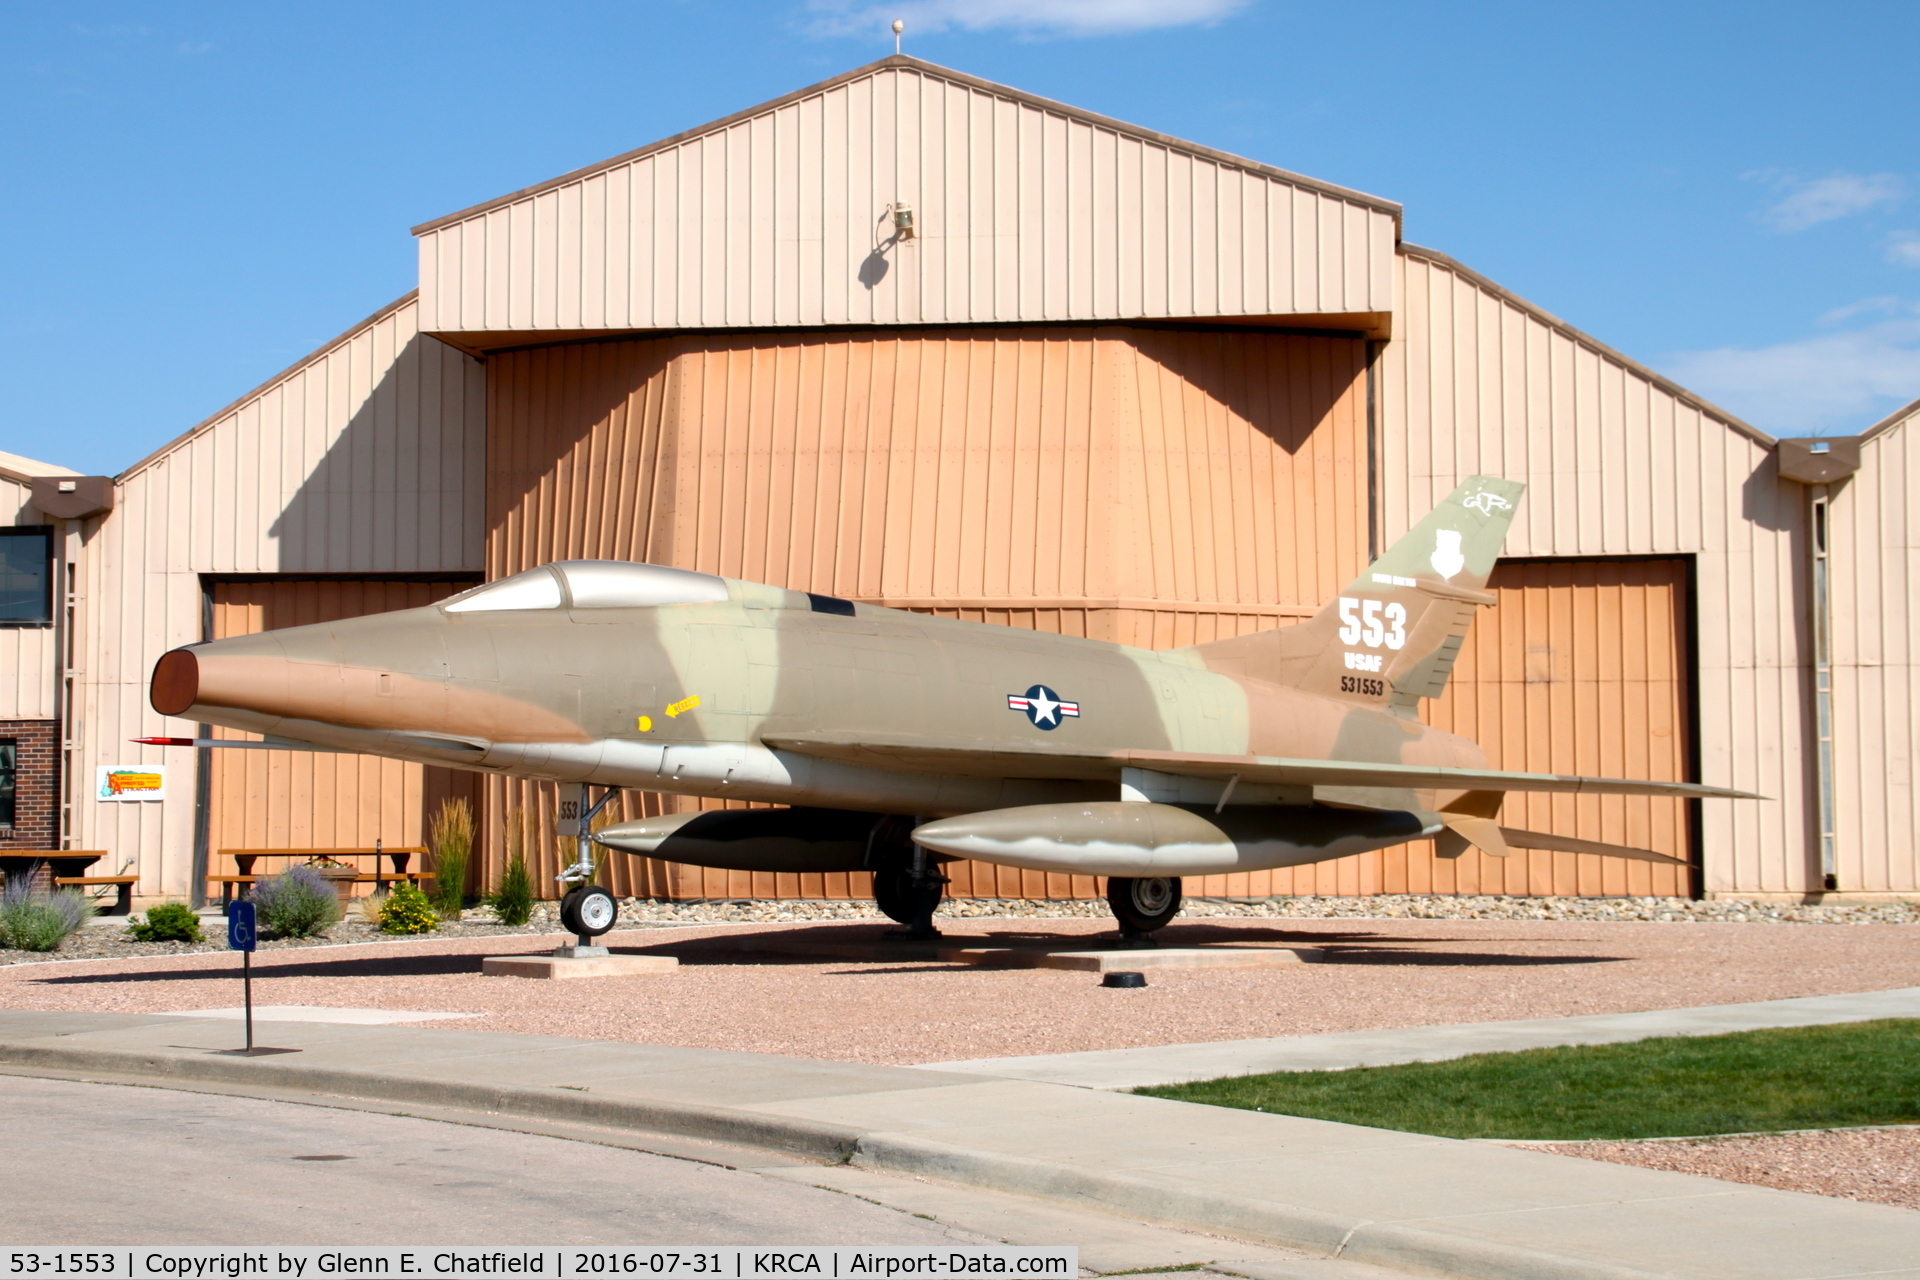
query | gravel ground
[1375, 973]
[106, 937]
[1881, 1166]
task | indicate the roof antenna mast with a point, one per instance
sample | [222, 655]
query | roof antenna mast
[898, 27]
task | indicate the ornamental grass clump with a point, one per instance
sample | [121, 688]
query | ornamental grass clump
[512, 898]
[408, 911]
[452, 837]
[297, 903]
[34, 921]
[168, 922]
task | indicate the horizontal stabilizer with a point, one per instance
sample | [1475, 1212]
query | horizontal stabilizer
[1571, 844]
[1035, 761]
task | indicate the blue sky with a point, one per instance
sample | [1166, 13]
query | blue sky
[200, 194]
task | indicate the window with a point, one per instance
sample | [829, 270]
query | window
[7, 748]
[26, 576]
[617, 584]
[534, 589]
[592, 584]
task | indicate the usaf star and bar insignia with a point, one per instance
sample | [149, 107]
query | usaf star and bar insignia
[1045, 708]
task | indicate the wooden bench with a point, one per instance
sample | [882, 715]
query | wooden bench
[18, 864]
[245, 859]
[123, 897]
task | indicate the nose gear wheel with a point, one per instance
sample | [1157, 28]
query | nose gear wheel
[1143, 903]
[588, 913]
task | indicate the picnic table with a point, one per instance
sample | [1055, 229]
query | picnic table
[244, 861]
[69, 871]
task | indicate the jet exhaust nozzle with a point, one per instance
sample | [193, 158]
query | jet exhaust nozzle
[1132, 838]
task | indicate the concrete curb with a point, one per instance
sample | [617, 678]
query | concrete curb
[832, 1144]
[1392, 1245]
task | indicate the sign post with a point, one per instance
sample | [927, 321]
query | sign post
[242, 936]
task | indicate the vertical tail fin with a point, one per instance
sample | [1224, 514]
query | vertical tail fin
[1391, 637]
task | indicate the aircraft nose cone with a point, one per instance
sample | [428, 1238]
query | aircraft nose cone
[176, 682]
[248, 672]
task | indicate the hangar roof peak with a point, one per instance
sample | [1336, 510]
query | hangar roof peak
[1022, 209]
[901, 61]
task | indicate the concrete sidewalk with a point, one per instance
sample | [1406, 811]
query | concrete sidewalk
[1336, 1051]
[1398, 1200]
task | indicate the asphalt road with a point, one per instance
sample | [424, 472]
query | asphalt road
[106, 1164]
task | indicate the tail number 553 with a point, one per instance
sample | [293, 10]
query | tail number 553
[1372, 623]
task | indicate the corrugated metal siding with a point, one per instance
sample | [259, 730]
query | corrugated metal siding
[28, 655]
[1156, 487]
[365, 458]
[1025, 211]
[309, 800]
[1619, 464]
[1876, 578]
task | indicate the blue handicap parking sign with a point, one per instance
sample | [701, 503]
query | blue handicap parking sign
[241, 933]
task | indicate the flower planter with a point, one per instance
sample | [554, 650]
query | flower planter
[342, 879]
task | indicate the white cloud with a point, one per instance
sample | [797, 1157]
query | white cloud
[1885, 305]
[1903, 248]
[1808, 202]
[1833, 383]
[1056, 17]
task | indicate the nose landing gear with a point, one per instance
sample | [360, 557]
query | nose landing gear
[587, 910]
[1143, 904]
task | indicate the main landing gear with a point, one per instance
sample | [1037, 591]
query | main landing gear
[907, 884]
[1143, 904]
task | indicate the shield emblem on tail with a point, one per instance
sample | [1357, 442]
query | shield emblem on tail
[1446, 559]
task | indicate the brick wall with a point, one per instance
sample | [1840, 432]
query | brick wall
[36, 787]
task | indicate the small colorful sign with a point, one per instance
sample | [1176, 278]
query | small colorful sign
[132, 782]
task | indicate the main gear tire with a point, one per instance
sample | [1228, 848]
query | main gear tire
[1143, 904]
[903, 901]
[588, 912]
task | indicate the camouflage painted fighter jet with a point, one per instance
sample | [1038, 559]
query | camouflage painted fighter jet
[900, 741]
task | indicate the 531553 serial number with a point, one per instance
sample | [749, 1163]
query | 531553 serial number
[39, 1263]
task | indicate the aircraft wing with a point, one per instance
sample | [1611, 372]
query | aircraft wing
[1040, 761]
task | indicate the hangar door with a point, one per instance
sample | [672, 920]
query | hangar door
[313, 800]
[1582, 667]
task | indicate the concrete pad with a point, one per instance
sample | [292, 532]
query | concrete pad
[576, 966]
[319, 1013]
[1337, 1051]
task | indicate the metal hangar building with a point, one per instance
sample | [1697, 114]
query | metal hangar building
[924, 341]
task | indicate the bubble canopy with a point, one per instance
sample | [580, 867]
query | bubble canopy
[591, 584]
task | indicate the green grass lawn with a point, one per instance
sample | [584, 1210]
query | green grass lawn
[1854, 1073]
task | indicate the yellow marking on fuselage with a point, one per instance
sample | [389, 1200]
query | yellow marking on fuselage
[644, 724]
[688, 703]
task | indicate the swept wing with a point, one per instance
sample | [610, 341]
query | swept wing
[1041, 761]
